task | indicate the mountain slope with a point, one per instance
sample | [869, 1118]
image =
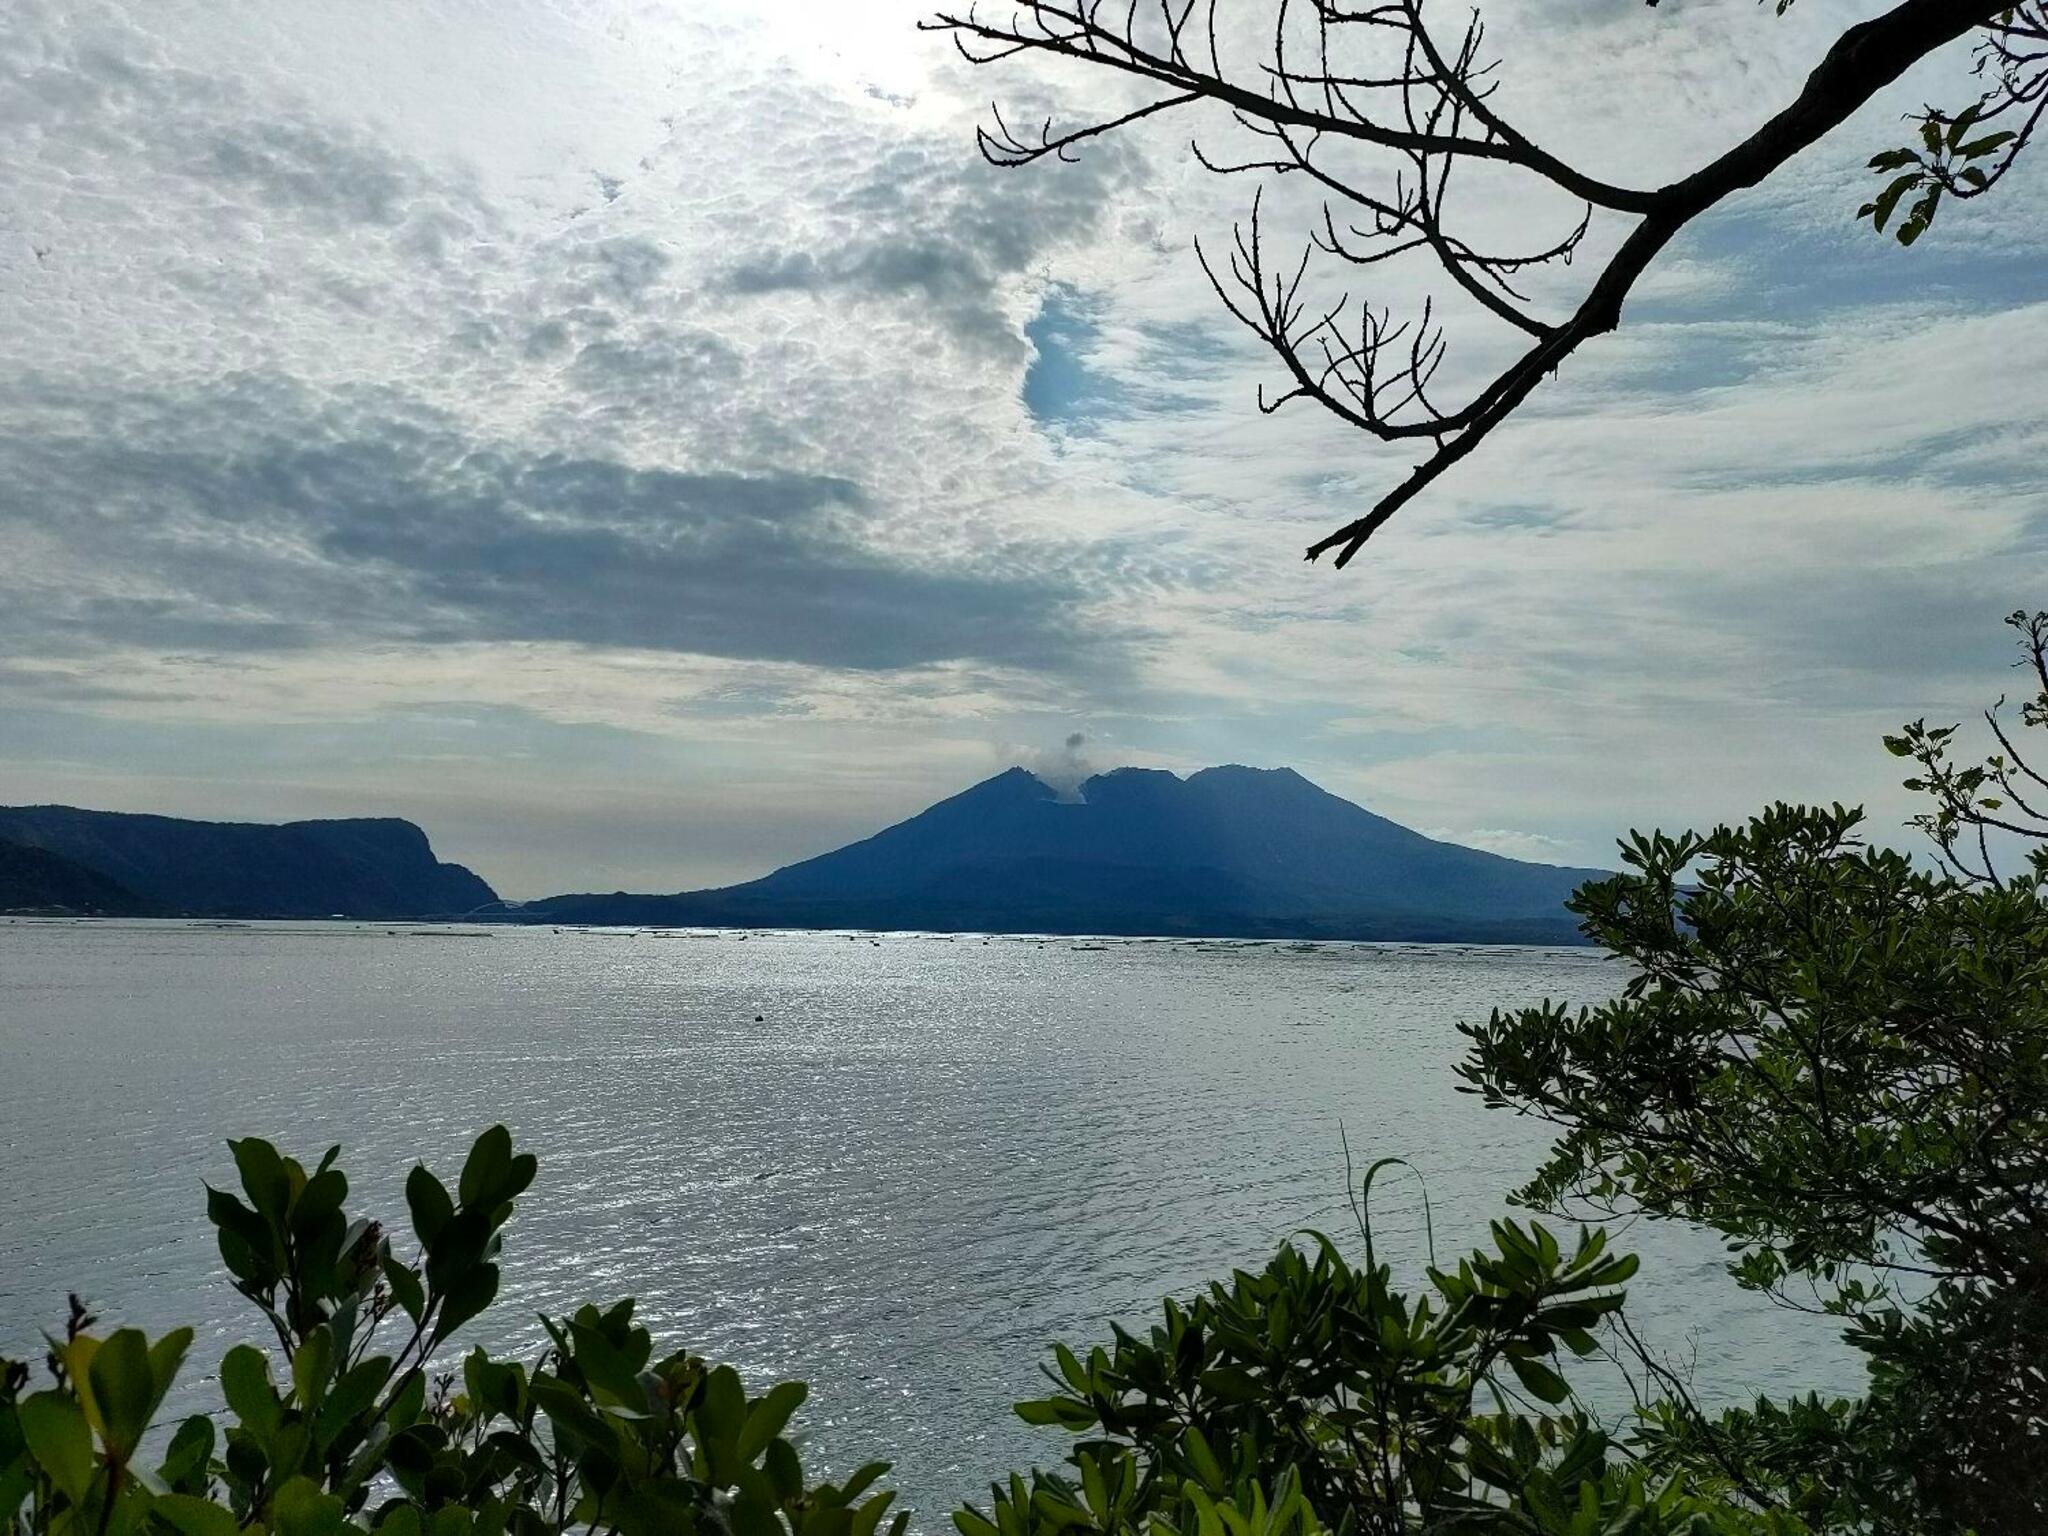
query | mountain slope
[1227, 851]
[372, 868]
[37, 880]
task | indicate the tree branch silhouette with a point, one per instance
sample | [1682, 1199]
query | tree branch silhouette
[1374, 75]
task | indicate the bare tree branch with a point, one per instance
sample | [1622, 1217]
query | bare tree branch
[1431, 108]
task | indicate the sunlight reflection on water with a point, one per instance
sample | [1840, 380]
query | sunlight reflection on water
[927, 1158]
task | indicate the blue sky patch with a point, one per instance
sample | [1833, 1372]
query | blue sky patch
[1060, 387]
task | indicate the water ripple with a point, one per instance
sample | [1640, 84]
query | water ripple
[897, 1169]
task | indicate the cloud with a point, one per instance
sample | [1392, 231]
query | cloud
[951, 234]
[60, 685]
[1531, 847]
[254, 522]
[203, 141]
[673, 387]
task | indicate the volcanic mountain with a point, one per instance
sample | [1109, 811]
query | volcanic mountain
[1227, 851]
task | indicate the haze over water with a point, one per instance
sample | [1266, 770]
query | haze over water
[898, 1167]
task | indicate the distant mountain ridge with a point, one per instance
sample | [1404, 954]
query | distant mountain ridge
[37, 880]
[377, 868]
[1231, 851]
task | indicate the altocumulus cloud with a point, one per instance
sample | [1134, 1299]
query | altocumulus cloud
[245, 521]
[299, 386]
[925, 225]
[656, 369]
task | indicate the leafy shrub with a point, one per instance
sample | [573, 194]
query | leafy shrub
[595, 1435]
[1838, 1060]
[1315, 1390]
[1310, 1392]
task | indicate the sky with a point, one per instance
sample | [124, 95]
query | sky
[644, 444]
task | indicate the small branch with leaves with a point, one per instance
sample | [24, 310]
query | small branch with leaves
[2002, 794]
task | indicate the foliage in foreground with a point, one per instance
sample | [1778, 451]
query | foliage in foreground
[1833, 1057]
[595, 1435]
[1839, 1061]
[1314, 1388]
[1310, 1394]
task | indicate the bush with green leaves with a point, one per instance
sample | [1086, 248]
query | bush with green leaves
[1312, 1395]
[1315, 1394]
[327, 1435]
[1838, 1060]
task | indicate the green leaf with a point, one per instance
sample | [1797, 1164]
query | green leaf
[610, 1375]
[1976, 149]
[869, 1515]
[189, 1451]
[245, 1383]
[492, 1387]
[312, 1368]
[410, 1402]
[1066, 1412]
[350, 1398]
[299, 1508]
[405, 1285]
[1543, 1383]
[320, 1200]
[54, 1426]
[1070, 1368]
[469, 1294]
[862, 1480]
[286, 1449]
[752, 1514]
[17, 1481]
[661, 1506]
[570, 1414]
[265, 1179]
[489, 1161]
[721, 1416]
[1232, 1385]
[428, 1201]
[77, 1355]
[247, 1245]
[191, 1516]
[1619, 1270]
[165, 1356]
[783, 1470]
[516, 1448]
[766, 1418]
[124, 1388]
[1203, 1460]
[1888, 199]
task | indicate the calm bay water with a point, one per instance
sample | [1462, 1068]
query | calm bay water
[897, 1167]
